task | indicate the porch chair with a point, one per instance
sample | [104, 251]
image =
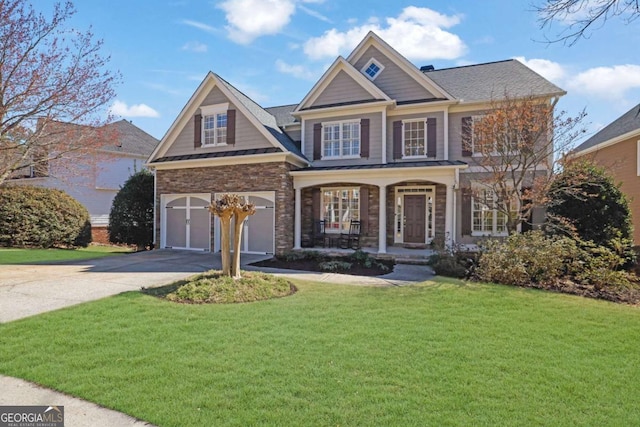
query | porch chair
[319, 235]
[352, 239]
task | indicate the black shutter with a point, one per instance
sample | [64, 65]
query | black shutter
[431, 137]
[231, 127]
[397, 139]
[317, 141]
[465, 217]
[197, 131]
[466, 136]
[364, 138]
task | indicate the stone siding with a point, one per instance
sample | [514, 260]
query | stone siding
[235, 179]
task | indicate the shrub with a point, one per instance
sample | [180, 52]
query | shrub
[447, 264]
[535, 259]
[335, 266]
[42, 217]
[585, 202]
[131, 217]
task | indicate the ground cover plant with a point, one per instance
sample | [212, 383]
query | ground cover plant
[32, 256]
[358, 263]
[214, 287]
[440, 353]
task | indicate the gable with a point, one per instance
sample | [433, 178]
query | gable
[247, 136]
[342, 89]
[393, 80]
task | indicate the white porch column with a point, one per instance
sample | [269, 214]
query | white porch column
[297, 220]
[448, 216]
[382, 227]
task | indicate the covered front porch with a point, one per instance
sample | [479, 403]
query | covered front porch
[399, 206]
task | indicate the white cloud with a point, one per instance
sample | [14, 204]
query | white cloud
[195, 47]
[120, 108]
[199, 25]
[250, 19]
[550, 70]
[297, 71]
[314, 13]
[607, 82]
[417, 33]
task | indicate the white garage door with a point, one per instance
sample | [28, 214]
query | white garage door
[258, 235]
[187, 222]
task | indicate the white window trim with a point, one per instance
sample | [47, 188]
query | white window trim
[423, 156]
[340, 211]
[366, 66]
[212, 110]
[340, 124]
[493, 232]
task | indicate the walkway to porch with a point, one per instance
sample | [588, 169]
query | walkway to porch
[399, 254]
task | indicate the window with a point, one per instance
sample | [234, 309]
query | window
[214, 124]
[340, 140]
[372, 69]
[486, 217]
[339, 207]
[414, 139]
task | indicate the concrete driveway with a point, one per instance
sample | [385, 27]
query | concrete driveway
[26, 290]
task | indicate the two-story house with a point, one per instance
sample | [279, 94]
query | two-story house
[93, 177]
[376, 139]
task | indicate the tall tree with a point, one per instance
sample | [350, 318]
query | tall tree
[581, 15]
[131, 215]
[516, 146]
[49, 73]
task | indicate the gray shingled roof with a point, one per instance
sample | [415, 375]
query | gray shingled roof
[423, 163]
[130, 139]
[268, 120]
[283, 115]
[484, 82]
[626, 123]
[218, 154]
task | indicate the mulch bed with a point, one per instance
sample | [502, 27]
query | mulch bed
[619, 295]
[312, 265]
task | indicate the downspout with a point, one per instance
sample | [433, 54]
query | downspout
[384, 136]
[155, 203]
[456, 187]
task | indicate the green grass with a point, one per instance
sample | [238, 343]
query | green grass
[441, 353]
[33, 256]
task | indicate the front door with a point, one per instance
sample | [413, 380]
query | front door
[414, 216]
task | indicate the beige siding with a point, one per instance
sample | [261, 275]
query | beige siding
[375, 140]
[439, 116]
[247, 136]
[392, 80]
[621, 160]
[342, 89]
[294, 134]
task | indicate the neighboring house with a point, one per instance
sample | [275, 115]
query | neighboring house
[94, 178]
[376, 139]
[617, 148]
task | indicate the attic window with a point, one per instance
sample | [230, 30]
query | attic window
[372, 69]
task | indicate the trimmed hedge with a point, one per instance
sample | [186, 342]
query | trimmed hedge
[42, 218]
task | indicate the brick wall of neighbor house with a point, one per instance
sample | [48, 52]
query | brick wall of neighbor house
[441, 200]
[100, 235]
[236, 178]
[621, 160]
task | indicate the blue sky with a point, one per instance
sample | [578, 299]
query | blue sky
[275, 50]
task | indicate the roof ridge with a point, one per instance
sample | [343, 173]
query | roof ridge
[469, 65]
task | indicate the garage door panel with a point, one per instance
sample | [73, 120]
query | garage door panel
[175, 228]
[199, 236]
[260, 231]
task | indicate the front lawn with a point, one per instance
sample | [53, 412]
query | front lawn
[32, 256]
[440, 353]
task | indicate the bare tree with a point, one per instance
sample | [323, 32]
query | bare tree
[517, 145]
[231, 207]
[581, 15]
[48, 74]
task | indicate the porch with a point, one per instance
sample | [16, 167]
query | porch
[400, 255]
